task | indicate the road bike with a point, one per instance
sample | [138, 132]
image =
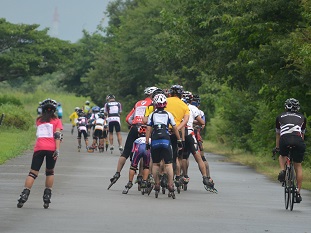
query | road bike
[290, 182]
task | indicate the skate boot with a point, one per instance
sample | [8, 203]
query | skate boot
[114, 179]
[150, 183]
[209, 184]
[185, 180]
[177, 183]
[79, 148]
[47, 197]
[139, 179]
[144, 188]
[171, 191]
[121, 149]
[111, 149]
[23, 198]
[127, 187]
[157, 190]
[101, 148]
[163, 182]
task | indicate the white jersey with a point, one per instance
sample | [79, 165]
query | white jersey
[194, 113]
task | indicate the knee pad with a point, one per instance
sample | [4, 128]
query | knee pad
[49, 172]
[33, 175]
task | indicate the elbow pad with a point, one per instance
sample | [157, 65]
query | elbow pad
[58, 136]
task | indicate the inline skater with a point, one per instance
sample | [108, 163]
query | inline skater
[290, 130]
[59, 110]
[157, 130]
[134, 120]
[139, 152]
[113, 110]
[99, 129]
[47, 147]
[192, 147]
[105, 133]
[91, 125]
[82, 130]
[74, 119]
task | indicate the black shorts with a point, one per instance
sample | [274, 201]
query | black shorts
[131, 137]
[80, 132]
[298, 144]
[38, 158]
[98, 134]
[114, 124]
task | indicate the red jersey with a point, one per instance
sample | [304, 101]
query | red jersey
[45, 134]
[136, 115]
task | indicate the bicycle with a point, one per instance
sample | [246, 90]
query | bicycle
[290, 182]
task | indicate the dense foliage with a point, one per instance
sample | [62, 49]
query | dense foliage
[244, 58]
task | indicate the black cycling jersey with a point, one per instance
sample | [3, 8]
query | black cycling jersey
[290, 123]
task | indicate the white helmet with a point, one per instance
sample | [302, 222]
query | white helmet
[150, 90]
[160, 101]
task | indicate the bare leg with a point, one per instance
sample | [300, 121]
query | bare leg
[298, 170]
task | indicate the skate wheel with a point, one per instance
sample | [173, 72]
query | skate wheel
[46, 205]
[20, 205]
[156, 194]
[169, 194]
[185, 187]
[178, 190]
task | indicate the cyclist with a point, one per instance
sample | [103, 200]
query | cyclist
[82, 129]
[47, 147]
[157, 130]
[139, 152]
[113, 110]
[290, 129]
[135, 120]
[74, 118]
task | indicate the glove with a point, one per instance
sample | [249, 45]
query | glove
[55, 154]
[180, 144]
[275, 150]
[148, 146]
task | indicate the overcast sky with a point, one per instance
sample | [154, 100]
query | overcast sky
[73, 15]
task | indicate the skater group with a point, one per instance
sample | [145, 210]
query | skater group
[165, 130]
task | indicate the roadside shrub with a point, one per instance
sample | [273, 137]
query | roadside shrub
[16, 117]
[5, 99]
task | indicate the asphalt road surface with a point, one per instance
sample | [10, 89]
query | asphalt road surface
[246, 201]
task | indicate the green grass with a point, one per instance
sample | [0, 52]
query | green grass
[14, 142]
[263, 164]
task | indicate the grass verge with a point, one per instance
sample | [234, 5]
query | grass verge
[263, 164]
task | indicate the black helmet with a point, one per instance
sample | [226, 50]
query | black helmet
[177, 90]
[110, 96]
[80, 112]
[292, 105]
[49, 105]
[157, 91]
[187, 95]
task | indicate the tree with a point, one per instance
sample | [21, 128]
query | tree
[26, 51]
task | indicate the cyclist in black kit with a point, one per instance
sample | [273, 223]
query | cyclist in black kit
[290, 130]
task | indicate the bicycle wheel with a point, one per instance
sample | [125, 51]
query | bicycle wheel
[293, 188]
[287, 189]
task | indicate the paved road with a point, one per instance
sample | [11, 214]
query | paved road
[246, 202]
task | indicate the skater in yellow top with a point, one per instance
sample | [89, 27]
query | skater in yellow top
[74, 119]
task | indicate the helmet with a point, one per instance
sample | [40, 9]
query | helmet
[176, 90]
[150, 90]
[187, 96]
[102, 110]
[196, 100]
[58, 104]
[166, 92]
[95, 109]
[142, 130]
[157, 91]
[101, 115]
[77, 108]
[160, 101]
[49, 105]
[110, 96]
[292, 105]
[87, 102]
[80, 112]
